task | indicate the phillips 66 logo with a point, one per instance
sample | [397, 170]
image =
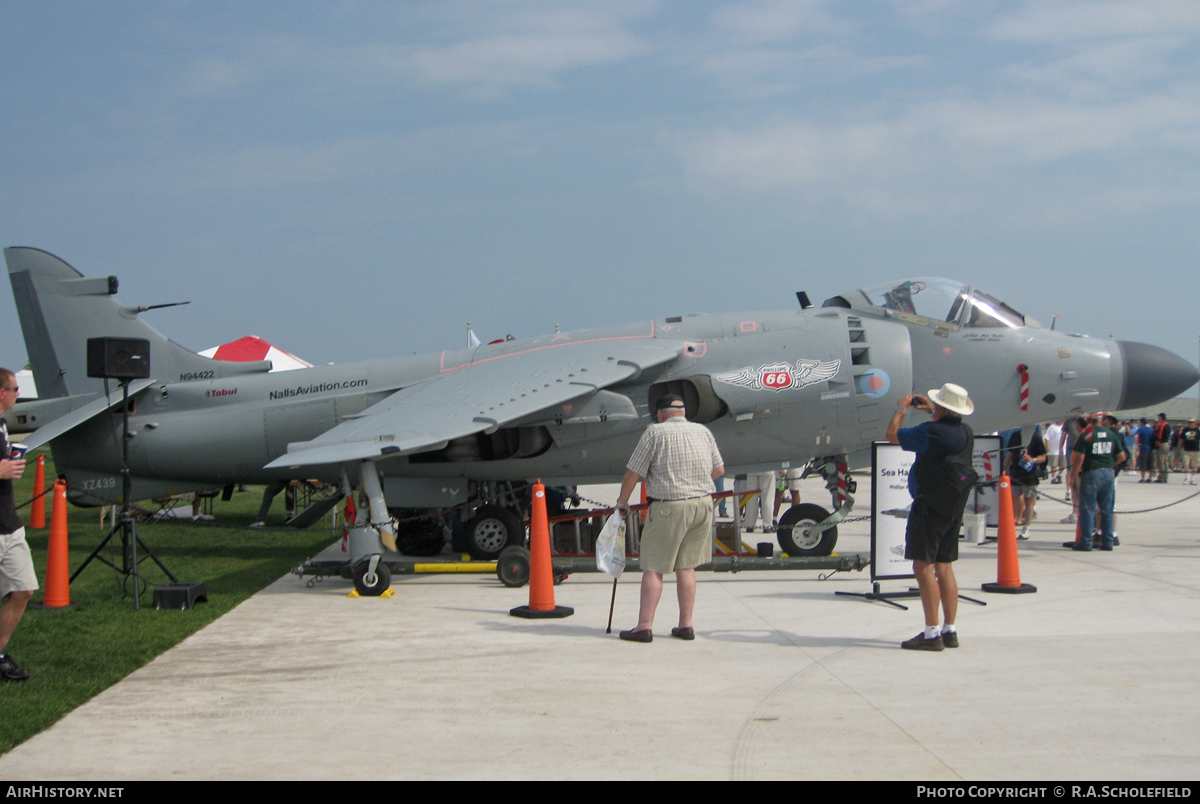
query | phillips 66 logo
[776, 376]
[779, 376]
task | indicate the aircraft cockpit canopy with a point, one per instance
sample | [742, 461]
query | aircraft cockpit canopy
[939, 300]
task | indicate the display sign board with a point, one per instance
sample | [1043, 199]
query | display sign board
[890, 503]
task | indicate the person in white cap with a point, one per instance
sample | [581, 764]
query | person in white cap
[939, 483]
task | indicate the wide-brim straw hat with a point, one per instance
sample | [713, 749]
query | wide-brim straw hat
[953, 398]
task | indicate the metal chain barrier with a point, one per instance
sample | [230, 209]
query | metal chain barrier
[596, 504]
[1044, 495]
[32, 500]
[148, 517]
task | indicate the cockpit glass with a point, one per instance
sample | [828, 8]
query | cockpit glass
[944, 300]
[929, 297]
[989, 312]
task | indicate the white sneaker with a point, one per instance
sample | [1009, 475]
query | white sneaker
[1024, 534]
[258, 524]
[1069, 519]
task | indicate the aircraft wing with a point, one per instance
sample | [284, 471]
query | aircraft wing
[476, 397]
[70, 421]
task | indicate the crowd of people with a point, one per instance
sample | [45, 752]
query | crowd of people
[1154, 449]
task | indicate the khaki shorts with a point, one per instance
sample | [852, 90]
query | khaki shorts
[16, 565]
[678, 535]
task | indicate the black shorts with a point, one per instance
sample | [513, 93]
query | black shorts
[931, 537]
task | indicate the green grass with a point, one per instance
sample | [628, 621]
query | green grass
[73, 654]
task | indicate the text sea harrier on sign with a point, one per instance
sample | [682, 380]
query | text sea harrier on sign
[778, 376]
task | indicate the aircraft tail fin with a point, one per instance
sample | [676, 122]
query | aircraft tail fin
[60, 309]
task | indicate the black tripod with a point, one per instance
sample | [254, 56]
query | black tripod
[126, 525]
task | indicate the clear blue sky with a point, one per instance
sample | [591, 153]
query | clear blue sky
[354, 180]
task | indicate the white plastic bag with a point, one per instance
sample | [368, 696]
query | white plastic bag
[610, 546]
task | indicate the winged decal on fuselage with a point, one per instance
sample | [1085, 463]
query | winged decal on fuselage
[781, 376]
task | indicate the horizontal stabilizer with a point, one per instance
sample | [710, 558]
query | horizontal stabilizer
[69, 421]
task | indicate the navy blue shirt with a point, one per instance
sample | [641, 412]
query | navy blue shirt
[933, 442]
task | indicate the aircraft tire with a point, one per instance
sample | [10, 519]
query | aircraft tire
[512, 567]
[795, 519]
[377, 585]
[493, 529]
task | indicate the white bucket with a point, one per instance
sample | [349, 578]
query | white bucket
[976, 527]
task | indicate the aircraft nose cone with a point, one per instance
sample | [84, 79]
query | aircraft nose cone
[1153, 375]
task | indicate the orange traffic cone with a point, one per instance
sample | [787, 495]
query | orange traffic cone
[58, 585]
[37, 517]
[541, 570]
[1078, 529]
[1008, 566]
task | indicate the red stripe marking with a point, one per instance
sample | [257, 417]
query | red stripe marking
[444, 370]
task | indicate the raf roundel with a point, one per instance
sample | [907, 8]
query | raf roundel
[875, 383]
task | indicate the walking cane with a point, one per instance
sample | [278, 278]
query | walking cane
[611, 603]
[610, 556]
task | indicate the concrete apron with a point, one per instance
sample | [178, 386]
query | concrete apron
[1092, 677]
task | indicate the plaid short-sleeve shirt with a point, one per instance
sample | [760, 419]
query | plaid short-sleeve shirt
[677, 459]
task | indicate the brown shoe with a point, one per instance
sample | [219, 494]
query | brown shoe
[919, 642]
[683, 633]
[645, 635]
[950, 640]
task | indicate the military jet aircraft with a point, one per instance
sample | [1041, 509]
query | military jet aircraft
[441, 430]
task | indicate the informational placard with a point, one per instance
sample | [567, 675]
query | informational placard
[890, 504]
[989, 463]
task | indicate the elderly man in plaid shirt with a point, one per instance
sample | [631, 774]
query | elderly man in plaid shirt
[679, 460]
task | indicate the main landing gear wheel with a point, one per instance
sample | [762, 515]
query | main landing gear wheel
[372, 585]
[493, 529]
[792, 536]
[512, 568]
